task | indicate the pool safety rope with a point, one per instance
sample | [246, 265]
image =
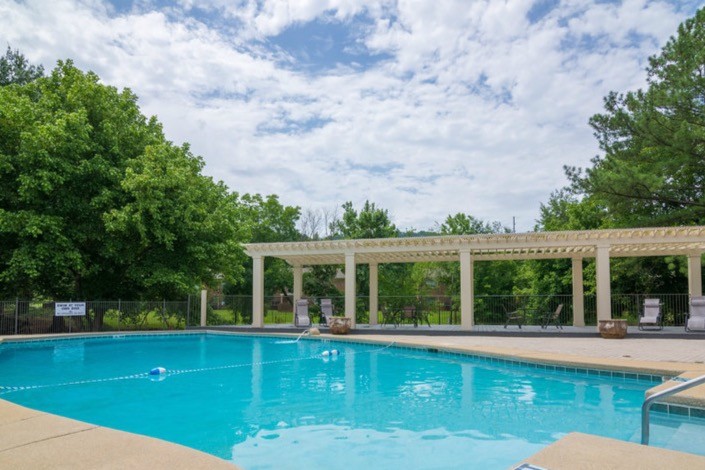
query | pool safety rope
[7, 389]
[163, 373]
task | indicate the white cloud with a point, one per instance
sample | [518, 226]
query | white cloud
[473, 108]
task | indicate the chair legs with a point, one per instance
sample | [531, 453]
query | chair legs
[510, 318]
[552, 321]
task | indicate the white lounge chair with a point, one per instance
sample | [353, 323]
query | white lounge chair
[651, 317]
[301, 317]
[696, 316]
[326, 311]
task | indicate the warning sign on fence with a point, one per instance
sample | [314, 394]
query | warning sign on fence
[70, 309]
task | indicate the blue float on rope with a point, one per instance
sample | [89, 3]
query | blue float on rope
[157, 371]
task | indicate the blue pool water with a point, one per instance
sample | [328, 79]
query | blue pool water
[269, 403]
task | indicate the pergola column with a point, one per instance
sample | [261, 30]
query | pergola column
[350, 276]
[374, 293]
[257, 291]
[578, 294]
[298, 272]
[604, 295]
[695, 276]
[467, 290]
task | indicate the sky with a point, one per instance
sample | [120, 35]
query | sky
[424, 107]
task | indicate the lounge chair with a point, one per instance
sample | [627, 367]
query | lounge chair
[696, 316]
[511, 316]
[652, 315]
[417, 315]
[553, 318]
[326, 311]
[390, 316]
[409, 314]
[301, 317]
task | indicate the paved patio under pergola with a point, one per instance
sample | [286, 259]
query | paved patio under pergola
[602, 245]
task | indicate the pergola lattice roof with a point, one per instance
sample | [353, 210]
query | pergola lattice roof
[660, 241]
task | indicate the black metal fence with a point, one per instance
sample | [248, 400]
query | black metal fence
[37, 317]
[445, 310]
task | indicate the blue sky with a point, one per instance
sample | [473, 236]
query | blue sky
[426, 108]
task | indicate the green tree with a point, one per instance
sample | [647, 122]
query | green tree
[462, 224]
[370, 222]
[652, 171]
[564, 211]
[177, 229]
[14, 68]
[491, 277]
[97, 204]
[266, 220]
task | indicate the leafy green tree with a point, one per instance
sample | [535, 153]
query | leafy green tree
[14, 68]
[177, 228]
[462, 224]
[266, 220]
[370, 222]
[654, 140]
[318, 281]
[97, 204]
[564, 211]
[269, 220]
[491, 278]
[651, 173]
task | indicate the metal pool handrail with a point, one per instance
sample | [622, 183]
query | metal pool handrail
[646, 407]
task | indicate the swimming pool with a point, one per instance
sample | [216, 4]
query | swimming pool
[268, 403]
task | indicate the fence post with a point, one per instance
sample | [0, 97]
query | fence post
[188, 311]
[119, 314]
[204, 306]
[17, 313]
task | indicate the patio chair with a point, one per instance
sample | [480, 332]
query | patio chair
[651, 316]
[421, 316]
[409, 314]
[301, 316]
[696, 315]
[390, 315]
[553, 318]
[326, 311]
[511, 316]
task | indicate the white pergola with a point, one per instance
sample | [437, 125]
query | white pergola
[468, 249]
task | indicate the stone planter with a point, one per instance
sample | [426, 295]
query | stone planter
[340, 325]
[613, 329]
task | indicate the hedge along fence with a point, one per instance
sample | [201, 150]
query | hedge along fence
[38, 317]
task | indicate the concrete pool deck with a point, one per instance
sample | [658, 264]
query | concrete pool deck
[32, 439]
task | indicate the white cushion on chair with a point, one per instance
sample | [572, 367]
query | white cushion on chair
[696, 323]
